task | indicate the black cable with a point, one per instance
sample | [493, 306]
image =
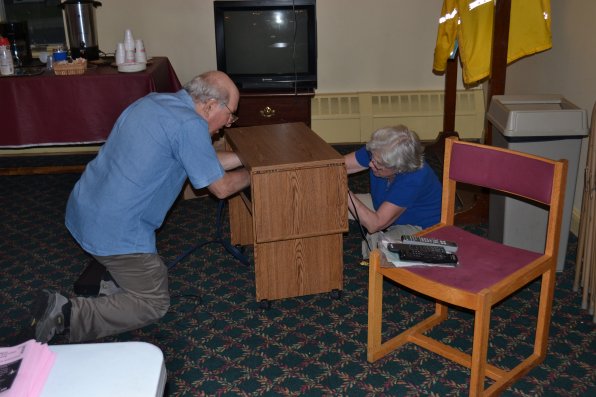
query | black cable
[357, 219]
[236, 253]
[294, 49]
[188, 252]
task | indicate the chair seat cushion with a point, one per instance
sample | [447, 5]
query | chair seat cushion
[482, 262]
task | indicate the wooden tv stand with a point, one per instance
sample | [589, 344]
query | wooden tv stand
[296, 212]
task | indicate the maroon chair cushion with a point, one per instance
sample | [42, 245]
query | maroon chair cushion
[482, 262]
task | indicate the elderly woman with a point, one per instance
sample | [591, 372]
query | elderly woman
[405, 193]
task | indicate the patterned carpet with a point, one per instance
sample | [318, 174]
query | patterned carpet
[218, 341]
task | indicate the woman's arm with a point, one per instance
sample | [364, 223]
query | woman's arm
[374, 221]
[352, 165]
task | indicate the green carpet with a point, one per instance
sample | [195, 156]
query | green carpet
[218, 341]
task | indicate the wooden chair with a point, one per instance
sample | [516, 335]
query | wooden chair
[488, 271]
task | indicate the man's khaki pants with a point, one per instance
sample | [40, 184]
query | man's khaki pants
[143, 299]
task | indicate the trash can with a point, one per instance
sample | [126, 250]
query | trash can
[547, 126]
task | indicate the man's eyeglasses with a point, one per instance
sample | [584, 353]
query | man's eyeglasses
[233, 117]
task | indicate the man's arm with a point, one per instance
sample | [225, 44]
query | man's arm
[229, 160]
[230, 183]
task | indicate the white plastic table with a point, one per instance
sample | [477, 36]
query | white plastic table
[126, 369]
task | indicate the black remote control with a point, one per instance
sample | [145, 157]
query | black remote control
[423, 253]
[449, 246]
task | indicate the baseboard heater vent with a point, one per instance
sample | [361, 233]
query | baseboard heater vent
[352, 117]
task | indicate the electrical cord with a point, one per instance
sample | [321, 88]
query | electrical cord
[294, 49]
[236, 252]
[357, 219]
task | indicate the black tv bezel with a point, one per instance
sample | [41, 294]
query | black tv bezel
[268, 81]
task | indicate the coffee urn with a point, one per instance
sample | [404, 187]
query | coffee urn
[81, 28]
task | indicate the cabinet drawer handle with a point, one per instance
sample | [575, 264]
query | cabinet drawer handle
[267, 112]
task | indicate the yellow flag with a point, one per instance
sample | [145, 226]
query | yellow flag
[469, 24]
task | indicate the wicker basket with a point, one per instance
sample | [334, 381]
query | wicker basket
[78, 66]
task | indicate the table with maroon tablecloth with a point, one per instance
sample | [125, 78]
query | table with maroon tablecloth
[46, 109]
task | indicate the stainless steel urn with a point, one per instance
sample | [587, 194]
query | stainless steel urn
[81, 28]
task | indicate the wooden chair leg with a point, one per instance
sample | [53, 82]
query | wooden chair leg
[441, 310]
[375, 306]
[480, 348]
[547, 289]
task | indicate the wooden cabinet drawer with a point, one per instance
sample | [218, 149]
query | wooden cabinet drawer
[273, 108]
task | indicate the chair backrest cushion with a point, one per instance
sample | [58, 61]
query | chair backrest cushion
[490, 167]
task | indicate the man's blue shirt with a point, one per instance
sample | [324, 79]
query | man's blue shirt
[126, 191]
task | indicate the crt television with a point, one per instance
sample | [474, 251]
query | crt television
[267, 44]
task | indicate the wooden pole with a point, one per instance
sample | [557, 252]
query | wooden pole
[450, 97]
[498, 65]
[450, 101]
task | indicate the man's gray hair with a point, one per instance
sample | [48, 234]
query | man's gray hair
[397, 147]
[207, 86]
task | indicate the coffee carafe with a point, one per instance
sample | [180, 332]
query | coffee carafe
[81, 28]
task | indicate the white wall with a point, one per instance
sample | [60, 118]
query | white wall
[378, 45]
[182, 30]
[569, 67]
[362, 45]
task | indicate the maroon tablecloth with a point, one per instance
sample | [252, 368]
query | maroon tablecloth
[62, 110]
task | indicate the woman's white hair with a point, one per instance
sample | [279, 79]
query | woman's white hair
[397, 147]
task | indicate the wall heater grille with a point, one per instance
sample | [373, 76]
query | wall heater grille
[352, 117]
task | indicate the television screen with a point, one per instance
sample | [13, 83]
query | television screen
[267, 44]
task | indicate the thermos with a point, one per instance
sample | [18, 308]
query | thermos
[6, 63]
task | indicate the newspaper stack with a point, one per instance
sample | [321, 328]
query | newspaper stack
[24, 369]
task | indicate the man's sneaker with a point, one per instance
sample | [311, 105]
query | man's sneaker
[48, 318]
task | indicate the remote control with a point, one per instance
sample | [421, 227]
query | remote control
[449, 246]
[423, 253]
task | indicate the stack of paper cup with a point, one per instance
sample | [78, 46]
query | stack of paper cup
[120, 54]
[140, 55]
[129, 47]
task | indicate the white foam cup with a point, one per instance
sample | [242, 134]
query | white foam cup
[129, 56]
[140, 57]
[120, 54]
[129, 42]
